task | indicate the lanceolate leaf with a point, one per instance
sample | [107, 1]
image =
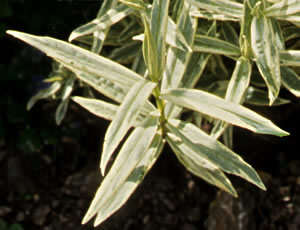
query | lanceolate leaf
[259, 97]
[98, 107]
[105, 21]
[236, 89]
[290, 57]
[283, 8]
[266, 54]
[102, 109]
[198, 165]
[197, 144]
[290, 80]
[80, 59]
[113, 90]
[61, 111]
[214, 45]
[219, 108]
[225, 7]
[51, 90]
[212, 16]
[136, 157]
[159, 26]
[193, 71]
[177, 59]
[125, 118]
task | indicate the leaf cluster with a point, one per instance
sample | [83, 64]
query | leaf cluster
[202, 58]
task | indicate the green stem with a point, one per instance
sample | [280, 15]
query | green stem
[161, 107]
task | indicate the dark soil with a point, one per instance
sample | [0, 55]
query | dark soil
[49, 174]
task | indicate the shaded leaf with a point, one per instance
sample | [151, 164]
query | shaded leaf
[290, 80]
[61, 111]
[259, 97]
[214, 45]
[290, 57]
[44, 93]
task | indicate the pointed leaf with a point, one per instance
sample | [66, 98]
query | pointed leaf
[283, 8]
[219, 108]
[266, 54]
[125, 118]
[42, 94]
[236, 89]
[133, 161]
[290, 80]
[199, 166]
[212, 16]
[225, 7]
[290, 57]
[177, 59]
[159, 26]
[259, 97]
[61, 111]
[111, 17]
[214, 45]
[80, 59]
[198, 142]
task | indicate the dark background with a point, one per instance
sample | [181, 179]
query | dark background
[49, 173]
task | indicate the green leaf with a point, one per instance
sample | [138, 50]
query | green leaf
[132, 163]
[194, 141]
[239, 81]
[193, 71]
[198, 165]
[177, 59]
[236, 89]
[295, 19]
[159, 26]
[266, 54]
[61, 111]
[290, 57]
[212, 16]
[219, 108]
[283, 8]
[259, 97]
[44, 93]
[98, 107]
[214, 45]
[125, 118]
[80, 59]
[290, 80]
[111, 17]
[224, 7]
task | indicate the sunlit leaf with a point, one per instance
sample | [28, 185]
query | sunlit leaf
[135, 158]
[290, 57]
[111, 17]
[125, 118]
[266, 54]
[196, 143]
[198, 165]
[225, 7]
[283, 8]
[219, 108]
[80, 59]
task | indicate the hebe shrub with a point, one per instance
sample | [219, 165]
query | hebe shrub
[201, 58]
